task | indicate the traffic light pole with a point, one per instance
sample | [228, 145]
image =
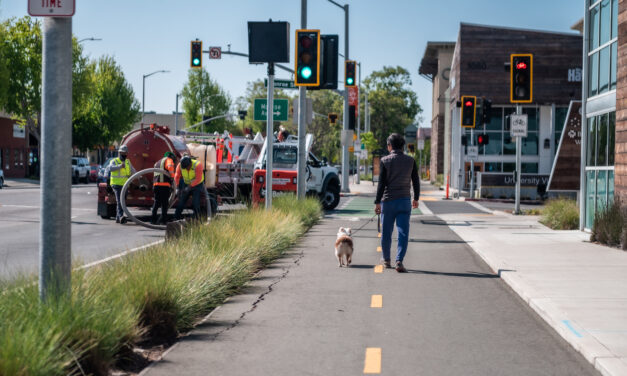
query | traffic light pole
[358, 156]
[56, 103]
[269, 135]
[518, 166]
[301, 187]
[472, 165]
[345, 153]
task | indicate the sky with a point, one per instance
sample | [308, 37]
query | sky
[149, 35]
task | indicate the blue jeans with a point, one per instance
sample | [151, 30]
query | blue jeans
[117, 189]
[195, 192]
[398, 211]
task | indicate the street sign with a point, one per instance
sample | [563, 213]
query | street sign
[281, 84]
[281, 107]
[215, 52]
[472, 152]
[518, 125]
[421, 144]
[51, 8]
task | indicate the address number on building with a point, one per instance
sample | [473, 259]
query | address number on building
[518, 125]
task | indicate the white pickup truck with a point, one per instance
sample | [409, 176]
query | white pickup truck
[80, 170]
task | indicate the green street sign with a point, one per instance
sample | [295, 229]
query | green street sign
[281, 84]
[281, 108]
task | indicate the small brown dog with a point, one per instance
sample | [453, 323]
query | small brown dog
[344, 246]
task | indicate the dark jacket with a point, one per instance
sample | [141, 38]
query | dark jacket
[396, 173]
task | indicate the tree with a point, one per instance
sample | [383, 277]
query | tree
[203, 97]
[4, 70]
[393, 105]
[107, 109]
[21, 49]
[326, 135]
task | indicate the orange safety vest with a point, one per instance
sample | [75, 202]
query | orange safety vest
[161, 180]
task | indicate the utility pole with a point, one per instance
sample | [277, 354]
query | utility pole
[176, 115]
[345, 154]
[301, 186]
[358, 156]
[269, 135]
[55, 235]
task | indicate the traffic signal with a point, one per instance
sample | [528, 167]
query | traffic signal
[328, 62]
[196, 54]
[521, 78]
[351, 117]
[486, 111]
[349, 73]
[307, 58]
[242, 114]
[464, 140]
[483, 139]
[411, 148]
[469, 111]
[332, 118]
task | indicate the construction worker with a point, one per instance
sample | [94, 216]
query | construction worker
[162, 184]
[189, 178]
[119, 170]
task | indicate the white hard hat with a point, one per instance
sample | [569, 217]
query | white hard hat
[123, 149]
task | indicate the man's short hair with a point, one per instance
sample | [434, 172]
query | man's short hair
[396, 141]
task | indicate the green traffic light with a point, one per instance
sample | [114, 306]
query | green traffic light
[305, 73]
[349, 81]
[196, 61]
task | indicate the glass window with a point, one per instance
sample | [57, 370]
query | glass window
[530, 144]
[495, 146]
[496, 120]
[601, 189]
[594, 28]
[492, 166]
[532, 119]
[605, 21]
[507, 112]
[602, 140]
[610, 185]
[592, 142]
[604, 67]
[613, 67]
[509, 167]
[590, 195]
[593, 77]
[611, 142]
[509, 144]
[614, 18]
[560, 118]
[529, 168]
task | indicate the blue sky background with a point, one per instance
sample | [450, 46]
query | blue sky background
[149, 35]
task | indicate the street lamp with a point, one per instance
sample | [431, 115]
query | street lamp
[144, 89]
[92, 39]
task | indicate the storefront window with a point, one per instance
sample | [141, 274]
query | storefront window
[611, 139]
[530, 144]
[496, 142]
[509, 167]
[610, 185]
[605, 21]
[601, 189]
[614, 18]
[594, 28]
[496, 120]
[592, 142]
[604, 70]
[492, 167]
[613, 67]
[602, 141]
[590, 194]
[529, 168]
[594, 75]
[509, 144]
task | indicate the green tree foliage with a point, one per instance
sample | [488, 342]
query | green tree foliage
[326, 135]
[21, 49]
[202, 96]
[107, 107]
[254, 90]
[4, 70]
[393, 104]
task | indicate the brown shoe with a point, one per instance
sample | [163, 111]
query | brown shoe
[400, 268]
[386, 264]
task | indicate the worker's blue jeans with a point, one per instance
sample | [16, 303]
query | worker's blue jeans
[398, 211]
[184, 196]
[117, 189]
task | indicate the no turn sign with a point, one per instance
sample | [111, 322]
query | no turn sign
[215, 52]
[51, 8]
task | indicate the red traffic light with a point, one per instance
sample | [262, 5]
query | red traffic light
[483, 139]
[306, 41]
[521, 65]
[469, 103]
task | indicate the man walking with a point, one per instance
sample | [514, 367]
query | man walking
[394, 200]
[189, 178]
[120, 169]
[161, 187]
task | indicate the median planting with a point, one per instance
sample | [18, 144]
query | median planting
[148, 297]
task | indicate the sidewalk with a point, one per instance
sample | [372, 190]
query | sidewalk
[577, 287]
[17, 183]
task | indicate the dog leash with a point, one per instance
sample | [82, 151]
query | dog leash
[368, 221]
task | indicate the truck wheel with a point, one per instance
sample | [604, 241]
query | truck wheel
[331, 197]
[86, 181]
[110, 212]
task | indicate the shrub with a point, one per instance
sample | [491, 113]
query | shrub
[561, 214]
[609, 224]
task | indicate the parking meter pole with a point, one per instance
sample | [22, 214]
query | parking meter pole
[269, 135]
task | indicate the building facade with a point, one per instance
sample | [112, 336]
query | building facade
[604, 154]
[14, 151]
[478, 69]
[436, 67]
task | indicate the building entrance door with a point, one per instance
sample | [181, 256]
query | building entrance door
[478, 168]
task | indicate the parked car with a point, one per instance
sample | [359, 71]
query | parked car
[93, 172]
[80, 170]
[1, 179]
[102, 178]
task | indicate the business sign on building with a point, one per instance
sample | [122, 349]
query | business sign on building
[19, 131]
[566, 166]
[497, 180]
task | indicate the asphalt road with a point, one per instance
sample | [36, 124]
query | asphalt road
[450, 315]
[93, 238]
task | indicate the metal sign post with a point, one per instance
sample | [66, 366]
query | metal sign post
[55, 235]
[518, 129]
[269, 136]
[301, 182]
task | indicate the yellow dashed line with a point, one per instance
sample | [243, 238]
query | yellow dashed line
[376, 301]
[373, 360]
[379, 249]
[378, 269]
